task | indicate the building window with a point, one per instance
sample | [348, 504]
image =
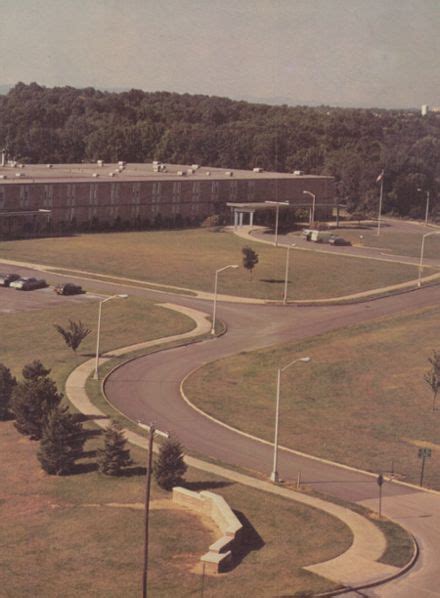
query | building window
[48, 196]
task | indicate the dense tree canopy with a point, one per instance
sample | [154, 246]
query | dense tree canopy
[64, 124]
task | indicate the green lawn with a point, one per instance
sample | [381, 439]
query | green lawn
[362, 400]
[189, 259]
[82, 535]
[31, 335]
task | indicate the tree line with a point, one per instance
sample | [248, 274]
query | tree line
[64, 124]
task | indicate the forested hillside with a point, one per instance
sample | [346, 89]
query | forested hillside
[64, 124]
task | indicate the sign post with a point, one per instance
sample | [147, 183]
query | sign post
[424, 453]
[380, 484]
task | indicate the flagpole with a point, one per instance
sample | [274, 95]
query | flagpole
[380, 206]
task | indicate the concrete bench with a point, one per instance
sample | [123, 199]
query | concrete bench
[215, 506]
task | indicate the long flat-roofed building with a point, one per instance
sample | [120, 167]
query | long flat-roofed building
[63, 197]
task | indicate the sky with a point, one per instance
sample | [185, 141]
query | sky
[360, 53]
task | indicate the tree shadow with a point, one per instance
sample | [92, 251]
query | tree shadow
[88, 454]
[87, 434]
[273, 280]
[81, 417]
[137, 470]
[199, 486]
[79, 468]
[248, 541]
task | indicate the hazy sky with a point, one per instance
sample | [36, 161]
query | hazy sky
[340, 52]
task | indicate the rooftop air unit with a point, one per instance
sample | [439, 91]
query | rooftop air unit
[229, 173]
[298, 172]
[258, 170]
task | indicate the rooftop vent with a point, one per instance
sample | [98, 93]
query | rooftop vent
[181, 173]
[95, 174]
[100, 163]
[298, 172]
[208, 173]
[229, 173]
[195, 166]
[122, 163]
[3, 176]
[49, 165]
[258, 170]
[20, 174]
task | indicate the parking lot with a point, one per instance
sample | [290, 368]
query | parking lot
[12, 301]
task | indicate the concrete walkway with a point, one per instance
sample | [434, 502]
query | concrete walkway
[356, 567]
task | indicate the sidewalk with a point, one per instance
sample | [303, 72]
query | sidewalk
[356, 567]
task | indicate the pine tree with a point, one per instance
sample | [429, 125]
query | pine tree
[7, 384]
[34, 370]
[31, 402]
[169, 467]
[61, 443]
[114, 456]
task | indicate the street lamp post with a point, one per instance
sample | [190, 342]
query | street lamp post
[217, 272]
[427, 206]
[274, 476]
[286, 275]
[422, 250]
[277, 215]
[313, 196]
[98, 333]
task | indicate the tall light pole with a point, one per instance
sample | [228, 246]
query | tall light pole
[152, 430]
[422, 250]
[427, 206]
[277, 204]
[286, 274]
[98, 333]
[380, 179]
[217, 272]
[313, 196]
[274, 476]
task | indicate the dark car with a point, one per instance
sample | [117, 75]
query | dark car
[68, 288]
[28, 284]
[338, 241]
[6, 279]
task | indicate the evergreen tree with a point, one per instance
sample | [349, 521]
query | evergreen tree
[31, 402]
[61, 443]
[169, 467]
[74, 334]
[34, 370]
[7, 383]
[114, 456]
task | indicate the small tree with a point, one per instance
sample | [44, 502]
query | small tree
[34, 370]
[74, 334]
[114, 456]
[169, 467]
[432, 376]
[31, 401]
[250, 259]
[61, 442]
[7, 384]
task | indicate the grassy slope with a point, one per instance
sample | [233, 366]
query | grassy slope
[189, 259]
[361, 401]
[59, 536]
[31, 335]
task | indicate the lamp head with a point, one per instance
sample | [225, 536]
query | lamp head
[305, 359]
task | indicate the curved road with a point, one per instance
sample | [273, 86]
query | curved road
[148, 389]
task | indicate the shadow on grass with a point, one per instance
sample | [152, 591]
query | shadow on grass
[88, 454]
[273, 280]
[249, 540]
[81, 417]
[199, 486]
[79, 468]
[137, 470]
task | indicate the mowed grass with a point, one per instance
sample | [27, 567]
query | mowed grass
[82, 535]
[391, 240]
[362, 400]
[30, 335]
[189, 259]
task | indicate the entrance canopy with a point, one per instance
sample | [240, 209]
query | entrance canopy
[251, 207]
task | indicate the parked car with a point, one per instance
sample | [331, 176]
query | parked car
[338, 241]
[6, 279]
[68, 288]
[28, 284]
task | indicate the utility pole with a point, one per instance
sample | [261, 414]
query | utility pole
[147, 510]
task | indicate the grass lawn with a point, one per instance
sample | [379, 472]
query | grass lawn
[189, 258]
[361, 401]
[406, 243]
[82, 535]
[31, 335]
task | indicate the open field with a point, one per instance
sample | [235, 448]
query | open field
[361, 401]
[61, 536]
[189, 259]
[30, 335]
[394, 241]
